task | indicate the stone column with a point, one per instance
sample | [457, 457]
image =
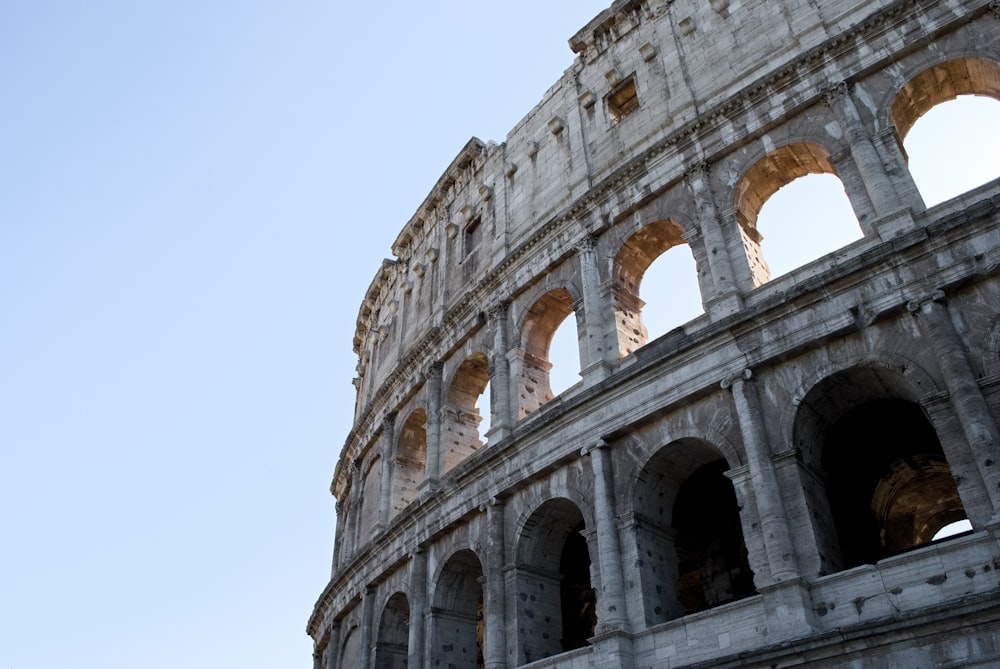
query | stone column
[433, 466]
[385, 489]
[338, 540]
[595, 355]
[500, 409]
[881, 190]
[773, 522]
[720, 265]
[367, 625]
[611, 612]
[333, 646]
[966, 397]
[495, 651]
[354, 511]
[418, 608]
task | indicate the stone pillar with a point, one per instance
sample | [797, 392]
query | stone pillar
[367, 625]
[433, 466]
[881, 191]
[595, 355]
[495, 651]
[418, 607]
[966, 397]
[611, 612]
[773, 522]
[333, 646]
[338, 540]
[354, 511]
[385, 490]
[720, 265]
[500, 409]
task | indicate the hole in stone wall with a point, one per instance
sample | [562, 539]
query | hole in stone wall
[622, 101]
[955, 147]
[888, 483]
[953, 529]
[564, 354]
[579, 601]
[670, 291]
[804, 220]
[712, 559]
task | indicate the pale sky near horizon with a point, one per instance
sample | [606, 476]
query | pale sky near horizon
[194, 197]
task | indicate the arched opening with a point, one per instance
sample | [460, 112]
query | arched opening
[799, 227]
[548, 334]
[655, 284]
[564, 354]
[457, 616]
[948, 136]
[350, 654]
[887, 486]
[371, 491]
[409, 462]
[393, 634]
[461, 416]
[556, 606]
[712, 563]
[484, 405]
[688, 532]
[804, 220]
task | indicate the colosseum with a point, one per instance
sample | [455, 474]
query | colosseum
[762, 485]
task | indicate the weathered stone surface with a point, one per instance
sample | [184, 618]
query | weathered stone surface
[756, 488]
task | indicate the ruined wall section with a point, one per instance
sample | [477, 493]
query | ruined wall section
[501, 213]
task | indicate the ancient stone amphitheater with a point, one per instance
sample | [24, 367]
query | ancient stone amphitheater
[760, 486]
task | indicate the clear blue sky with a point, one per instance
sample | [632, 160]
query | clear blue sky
[194, 197]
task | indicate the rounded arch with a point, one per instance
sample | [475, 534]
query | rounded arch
[457, 627]
[885, 485]
[350, 648]
[801, 170]
[773, 170]
[543, 317]
[392, 642]
[940, 83]
[689, 530]
[462, 411]
[557, 611]
[531, 373]
[371, 490]
[409, 460]
[635, 256]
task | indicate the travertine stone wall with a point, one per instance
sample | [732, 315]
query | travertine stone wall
[757, 487]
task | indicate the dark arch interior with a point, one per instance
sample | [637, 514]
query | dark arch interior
[579, 601]
[711, 555]
[888, 483]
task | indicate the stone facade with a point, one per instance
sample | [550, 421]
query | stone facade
[759, 487]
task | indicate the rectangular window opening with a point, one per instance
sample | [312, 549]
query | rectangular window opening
[622, 101]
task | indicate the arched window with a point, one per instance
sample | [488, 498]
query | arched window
[799, 227]
[393, 634]
[371, 490]
[948, 136]
[462, 417]
[539, 355]
[557, 611]
[409, 461]
[689, 532]
[457, 625]
[886, 485]
[654, 267]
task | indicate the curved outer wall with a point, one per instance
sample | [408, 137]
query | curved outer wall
[575, 535]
